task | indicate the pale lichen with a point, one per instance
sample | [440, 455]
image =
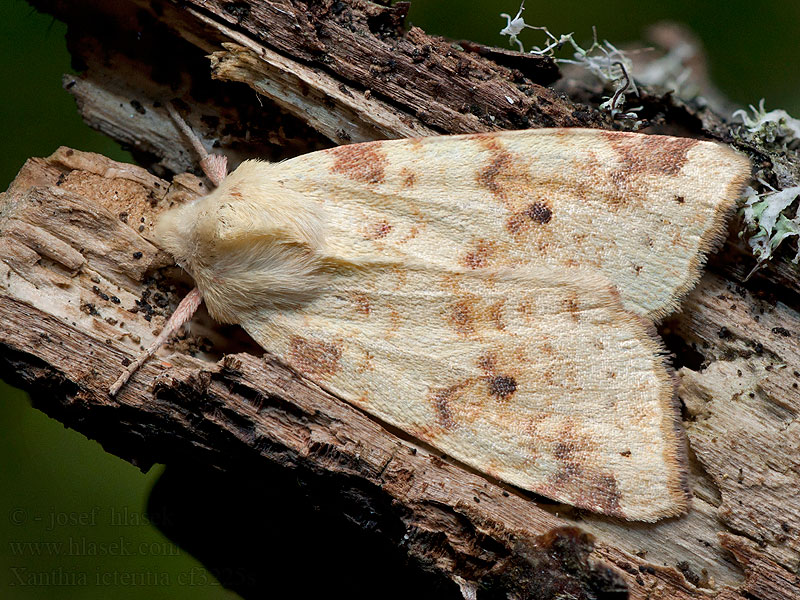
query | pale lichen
[606, 62]
[766, 217]
[611, 66]
[774, 129]
[773, 215]
[515, 26]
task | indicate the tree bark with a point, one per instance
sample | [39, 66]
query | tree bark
[83, 288]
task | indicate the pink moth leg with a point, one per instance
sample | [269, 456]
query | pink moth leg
[182, 314]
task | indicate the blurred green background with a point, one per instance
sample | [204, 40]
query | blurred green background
[71, 516]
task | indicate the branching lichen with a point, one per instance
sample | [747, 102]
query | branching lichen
[606, 62]
[611, 66]
[515, 26]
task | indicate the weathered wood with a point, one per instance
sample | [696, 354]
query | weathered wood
[75, 252]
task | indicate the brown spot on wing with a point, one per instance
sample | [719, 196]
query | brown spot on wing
[526, 310]
[546, 348]
[488, 140]
[479, 257]
[409, 177]
[376, 231]
[496, 314]
[441, 399]
[489, 176]
[361, 303]
[568, 474]
[487, 362]
[506, 178]
[443, 415]
[578, 479]
[395, 320]
[653, 154]
[461, 317]
[586, 488]
[502, 386]
[524, 192]
[503, 176]
[315, 358]
[538, 212]
[516, 224]
[642, 155]
[603, 494]
[361, 162]
[572, 306]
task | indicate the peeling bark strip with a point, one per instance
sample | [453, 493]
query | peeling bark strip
[459, 523]
[364, 45]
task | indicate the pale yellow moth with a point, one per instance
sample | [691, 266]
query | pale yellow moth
[492, 295]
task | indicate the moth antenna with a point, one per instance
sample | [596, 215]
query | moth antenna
[215, 166]
[182, 314]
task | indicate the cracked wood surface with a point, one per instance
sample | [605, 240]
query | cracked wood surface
[73, 272]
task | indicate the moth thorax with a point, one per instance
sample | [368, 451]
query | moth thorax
[247, 251]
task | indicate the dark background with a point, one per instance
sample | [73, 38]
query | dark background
[68, 509]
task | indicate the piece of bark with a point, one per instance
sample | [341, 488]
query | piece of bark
[63, 332]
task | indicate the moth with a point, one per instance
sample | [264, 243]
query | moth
[492, 294]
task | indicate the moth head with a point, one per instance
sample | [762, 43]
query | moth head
[251, 244]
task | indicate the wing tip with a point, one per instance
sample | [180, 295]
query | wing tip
[714, 236]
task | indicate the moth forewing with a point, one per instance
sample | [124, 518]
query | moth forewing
[643, 209]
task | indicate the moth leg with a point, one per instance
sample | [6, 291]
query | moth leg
[182, 314]
[215, 166]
